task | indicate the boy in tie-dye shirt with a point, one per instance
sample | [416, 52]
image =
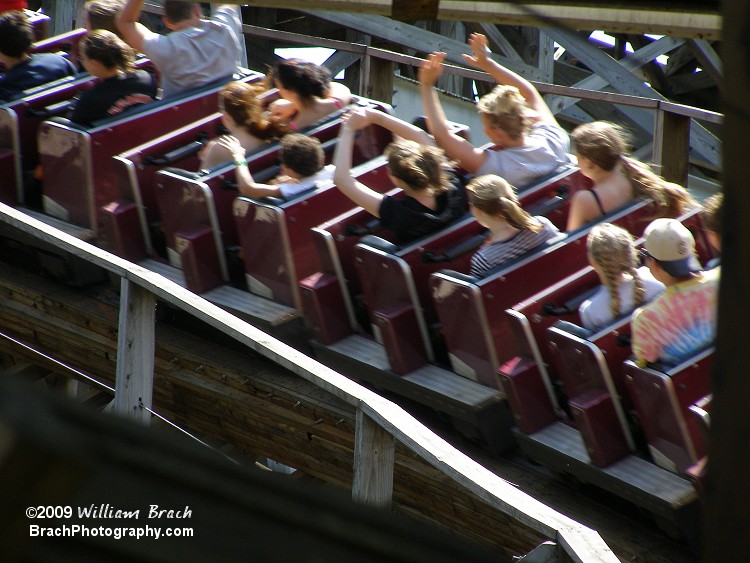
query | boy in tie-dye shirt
[681, 321]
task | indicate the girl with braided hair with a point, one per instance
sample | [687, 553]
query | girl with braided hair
[434, 196]
[624, 287]
[243, 116]
[601, 149]
[513, 232]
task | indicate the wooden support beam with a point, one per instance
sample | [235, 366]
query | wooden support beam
[340, 60]
[135, 352]
[374, 454]
[704, 143]
[708, 58]
[63, 14]
[539, 50]
[594, 14]
[672, 146]
[421, 40]
[629, 63]
[377, 79]
[497, 39]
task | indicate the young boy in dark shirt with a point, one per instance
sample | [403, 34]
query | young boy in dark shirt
[24, 70]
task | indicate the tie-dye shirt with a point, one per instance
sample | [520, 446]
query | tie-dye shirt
[678, 323]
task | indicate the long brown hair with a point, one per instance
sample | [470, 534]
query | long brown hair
[495, 196]
[606, 145]
[240, 101]
[420, 166]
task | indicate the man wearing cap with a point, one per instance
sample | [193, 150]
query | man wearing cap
[681, 321]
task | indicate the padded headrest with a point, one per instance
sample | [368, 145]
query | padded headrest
[573, 329]
[379, 243]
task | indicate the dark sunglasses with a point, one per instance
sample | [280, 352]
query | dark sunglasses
[644, 255]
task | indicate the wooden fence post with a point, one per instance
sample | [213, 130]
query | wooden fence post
[374, 454]
[135, 352]
[672, 146]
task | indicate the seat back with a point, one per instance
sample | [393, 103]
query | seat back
[64, 43]
[274, 235]
[662, 401]
[472, 312]
[78, 164]
[19, 122]
[136, 170]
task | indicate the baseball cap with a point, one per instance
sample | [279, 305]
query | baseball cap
[670, 243]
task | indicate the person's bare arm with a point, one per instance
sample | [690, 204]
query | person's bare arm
[457, 148]
[583, 209]
[134, 33]
[480, 58]
[247, 185]
[360, 117]
[341, 92]
[360, 194]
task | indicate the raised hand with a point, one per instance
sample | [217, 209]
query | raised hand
[431, 69]
[232, 144]
[357, 118]
[480, 50]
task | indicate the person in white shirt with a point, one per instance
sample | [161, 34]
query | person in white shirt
[529, 141]
[624, 287]
[195, 53]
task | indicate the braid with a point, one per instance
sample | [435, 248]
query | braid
[612, 280]
[639, 289]
[611, 247]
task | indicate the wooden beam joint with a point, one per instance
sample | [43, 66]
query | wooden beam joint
[405, 10]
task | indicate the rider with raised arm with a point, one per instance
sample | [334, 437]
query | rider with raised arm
[529, 141]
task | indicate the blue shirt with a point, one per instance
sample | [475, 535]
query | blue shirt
[36, 70]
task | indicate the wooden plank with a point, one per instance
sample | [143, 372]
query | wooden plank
[702, 141]
[135, 352]
[421, 40]
[708, 59]
[374, 452]
[63, 14]
[629, 63]
[672, 146]
[406, 429]
[496, 38]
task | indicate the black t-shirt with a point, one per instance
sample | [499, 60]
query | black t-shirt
[409, 220]
[113, 95]
[36, 70]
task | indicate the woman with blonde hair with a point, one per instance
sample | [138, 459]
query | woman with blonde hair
[513, 231]
[625, 287]
[529, 142]
[601, 149]
[433, 198]
[243, 115]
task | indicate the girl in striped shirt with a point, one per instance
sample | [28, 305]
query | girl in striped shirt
[513, 232]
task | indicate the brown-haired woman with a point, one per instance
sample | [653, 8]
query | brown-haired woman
[109, 58]
[307, 93]
[243, 115]
[513, 232]
[613, 255]
[433, 198]
[601, 149]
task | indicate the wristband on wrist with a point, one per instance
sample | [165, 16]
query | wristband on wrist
[240, 162]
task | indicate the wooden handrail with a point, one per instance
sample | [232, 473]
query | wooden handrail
[373, 473]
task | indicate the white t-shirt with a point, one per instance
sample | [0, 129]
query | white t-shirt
[291, 190]
[197, 56]
[596, 312]
[546, 149]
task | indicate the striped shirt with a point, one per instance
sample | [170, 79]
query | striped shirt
[495, 253]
